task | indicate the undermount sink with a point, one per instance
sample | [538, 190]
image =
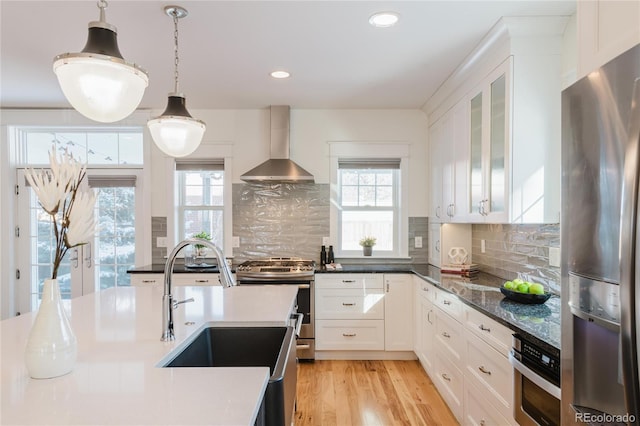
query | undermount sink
[273, 347]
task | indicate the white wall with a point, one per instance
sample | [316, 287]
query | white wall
[248, 132]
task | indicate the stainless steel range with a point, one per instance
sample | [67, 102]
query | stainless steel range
[287, 271]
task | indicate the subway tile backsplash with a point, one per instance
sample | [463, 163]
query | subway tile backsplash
[158, 229]
[513, 249]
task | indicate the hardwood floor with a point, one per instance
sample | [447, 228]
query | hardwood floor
[368, 393]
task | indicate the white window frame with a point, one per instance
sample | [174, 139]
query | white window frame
[205, 152]
[374, 150]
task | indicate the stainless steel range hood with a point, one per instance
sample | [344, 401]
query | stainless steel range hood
[279, 168]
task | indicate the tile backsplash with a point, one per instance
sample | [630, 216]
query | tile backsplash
[158, 229]
[280, 219]
[513, 249]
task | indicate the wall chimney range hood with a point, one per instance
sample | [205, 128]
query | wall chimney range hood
[279, 168]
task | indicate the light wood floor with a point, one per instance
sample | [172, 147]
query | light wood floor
[385, 393]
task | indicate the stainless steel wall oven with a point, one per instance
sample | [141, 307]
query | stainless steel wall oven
[536, 378]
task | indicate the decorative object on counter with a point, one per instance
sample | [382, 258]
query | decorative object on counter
[51, 349]
[458, 255]
[367, 244]
[176, 132]
[323, 256]
[98, 82]
[522, 291]
[330, 256]
[200, 250]
[471, 270]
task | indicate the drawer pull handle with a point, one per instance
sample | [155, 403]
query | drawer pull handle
[202, 281]
[484, 370]
[148, 281]
[483, 328]
[445, 334]
[348, 304]
[349, 334]
[348, 281]
[446, 302]
[447, 378]
[425, 288]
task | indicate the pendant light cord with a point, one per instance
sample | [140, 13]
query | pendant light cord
[175, 40]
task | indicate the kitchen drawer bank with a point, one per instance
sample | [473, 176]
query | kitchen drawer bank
[364, 316]
[116, 379]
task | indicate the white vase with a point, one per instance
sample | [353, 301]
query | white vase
[52, 347]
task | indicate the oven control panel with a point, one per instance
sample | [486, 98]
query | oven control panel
[543, 360]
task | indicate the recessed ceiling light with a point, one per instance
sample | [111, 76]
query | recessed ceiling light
[280, 74]
[384, 19]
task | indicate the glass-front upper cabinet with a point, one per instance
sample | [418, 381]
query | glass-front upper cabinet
[488, 144]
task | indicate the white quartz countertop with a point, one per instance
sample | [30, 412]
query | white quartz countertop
[116, 380]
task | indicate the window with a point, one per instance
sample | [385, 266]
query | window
[368, 204]
[201, 199]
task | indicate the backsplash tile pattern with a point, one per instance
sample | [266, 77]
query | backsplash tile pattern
[158, 229]
[513, 249]
[419, 227]
[280, 219]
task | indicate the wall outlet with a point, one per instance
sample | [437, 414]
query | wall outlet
[235, 242]
[161, 241]
[418, 242]
[554, 256]
[325, 241]
[483, 246]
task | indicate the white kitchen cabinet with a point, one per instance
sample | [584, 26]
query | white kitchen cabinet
[398, 312]
[450, 383]
[490, 331]
[345, 303]
[448, 147]
[424, 324]
[478, 411]
[350, 335]
[444, 236]
[606, 28]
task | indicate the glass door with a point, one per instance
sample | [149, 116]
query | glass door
[100, 264]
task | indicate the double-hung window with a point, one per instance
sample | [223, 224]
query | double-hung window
[368, 198]
[201, 199]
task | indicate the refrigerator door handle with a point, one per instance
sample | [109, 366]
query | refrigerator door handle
[630, 260]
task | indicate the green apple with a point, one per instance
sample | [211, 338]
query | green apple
[522, 288]
[536, 288]
[518, 281]
[509, 285]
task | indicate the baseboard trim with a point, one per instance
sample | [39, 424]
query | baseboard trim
[366, 355]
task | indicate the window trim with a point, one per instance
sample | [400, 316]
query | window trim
[343, 151]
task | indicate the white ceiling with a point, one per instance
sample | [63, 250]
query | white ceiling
[227, 49]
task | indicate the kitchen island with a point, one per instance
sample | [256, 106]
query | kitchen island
[117, 379]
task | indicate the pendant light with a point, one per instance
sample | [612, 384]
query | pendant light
[175, 132]
[98, 82]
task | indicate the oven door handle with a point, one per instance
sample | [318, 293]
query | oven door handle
[534, 377]
[300, 318]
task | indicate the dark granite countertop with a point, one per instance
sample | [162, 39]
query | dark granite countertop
[482, 293]
[178, 268]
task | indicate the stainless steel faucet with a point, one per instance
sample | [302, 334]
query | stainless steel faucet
[168, 305]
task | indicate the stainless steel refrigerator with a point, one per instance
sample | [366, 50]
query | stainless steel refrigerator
[600, 237]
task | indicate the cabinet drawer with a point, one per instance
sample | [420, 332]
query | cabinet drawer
[478, 411]
[450, 337]
[489, 330]
[350, 335]
[142, 280]
[449, 381]
[349, 281]
[196, 279]
[492, 373]
[349, 304]
[425, 289]
[449, 303]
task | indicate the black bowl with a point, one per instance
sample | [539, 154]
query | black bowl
[529, 299]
